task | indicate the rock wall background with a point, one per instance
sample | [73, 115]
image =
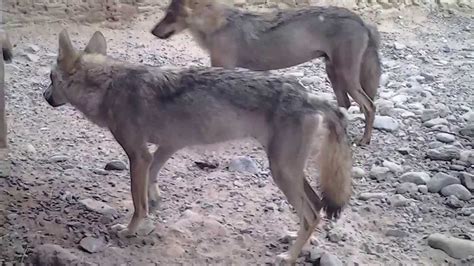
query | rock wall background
[21, 11]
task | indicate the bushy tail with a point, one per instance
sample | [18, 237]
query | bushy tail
[335, 164]
[374, 36]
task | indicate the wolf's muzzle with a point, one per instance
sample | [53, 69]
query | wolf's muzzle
[48, 96]
[161, 35]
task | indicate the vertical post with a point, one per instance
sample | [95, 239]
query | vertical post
[6, 54]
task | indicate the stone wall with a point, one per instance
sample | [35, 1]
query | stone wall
[357, 3]
[20, 11]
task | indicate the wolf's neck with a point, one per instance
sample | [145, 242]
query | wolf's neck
[87, 96]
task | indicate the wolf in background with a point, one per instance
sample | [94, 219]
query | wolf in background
[285, 38]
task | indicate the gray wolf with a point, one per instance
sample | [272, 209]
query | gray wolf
[266, 41]
[176, 108]
[7, 55]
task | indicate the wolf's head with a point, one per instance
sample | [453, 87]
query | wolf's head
[67, 64]
[183, 14]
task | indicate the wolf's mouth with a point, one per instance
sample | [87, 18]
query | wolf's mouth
[166, 35]
[47, 95]
[52, 103]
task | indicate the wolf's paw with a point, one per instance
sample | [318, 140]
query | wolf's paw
[284, 259]
[146, 227]
[154, 198]
[122, 231]
[364, 141]
[289, 237]
[154, 205]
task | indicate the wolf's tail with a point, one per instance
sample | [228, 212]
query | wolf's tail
[335, 164]
[374, 36]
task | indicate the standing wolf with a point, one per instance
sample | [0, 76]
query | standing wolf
[178, 108]
[265, 41]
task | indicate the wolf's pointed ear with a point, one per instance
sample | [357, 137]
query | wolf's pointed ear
[97, 44]
[67, 55]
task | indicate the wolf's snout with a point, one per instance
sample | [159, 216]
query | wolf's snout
[156, 32]
[162, 34]
[48, 96]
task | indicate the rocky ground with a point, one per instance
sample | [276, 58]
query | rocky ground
[412, 202]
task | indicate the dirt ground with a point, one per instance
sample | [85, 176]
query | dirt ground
[223, 217]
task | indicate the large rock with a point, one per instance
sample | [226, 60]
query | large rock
[394, 167]
[428, 114]
[396, 233]
[398, 201]
[407, 187]
[191, 222]
[243, 165]
[453, 202]
[445, 137]
[58, 158]
[448, 3]
[315, 254]
[444, 153]
[435, 122]
[99, 207]
[372, 195]
[467, 180]
[49, 254]
[454, 247]
[358, 172]
[115, 165]
[92, 244]
[385, 123]
[380, 173]
[457, 190]
[469, 116]
[423, 189]
[467, 156]
[327, 259]
[441, 180]
[467, 130]
[419, 178]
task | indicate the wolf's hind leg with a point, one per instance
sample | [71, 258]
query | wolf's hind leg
[160, 156]
[347, 66]
[287, 155]
[340, 92]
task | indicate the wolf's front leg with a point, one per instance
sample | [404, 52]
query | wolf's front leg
[139, 168]
[140, 161]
